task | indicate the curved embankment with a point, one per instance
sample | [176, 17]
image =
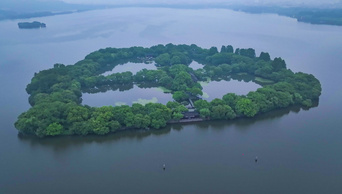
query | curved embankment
[56, 93]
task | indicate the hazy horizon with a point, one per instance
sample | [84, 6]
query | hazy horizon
[299, 3]
[225, 2]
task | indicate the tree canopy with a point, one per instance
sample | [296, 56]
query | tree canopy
[56, 93]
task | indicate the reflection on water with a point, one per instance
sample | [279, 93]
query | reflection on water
[136, 94]
[60, 144]
[116, 95]
[238, 85]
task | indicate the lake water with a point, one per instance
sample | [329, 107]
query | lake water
[299, 151]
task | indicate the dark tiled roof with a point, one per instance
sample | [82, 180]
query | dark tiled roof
[190, 114]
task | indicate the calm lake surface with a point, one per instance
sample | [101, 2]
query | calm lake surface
[299, 151]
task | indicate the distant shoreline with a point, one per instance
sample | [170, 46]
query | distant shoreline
[15, 16]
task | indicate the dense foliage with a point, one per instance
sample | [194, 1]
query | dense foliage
[56, 93]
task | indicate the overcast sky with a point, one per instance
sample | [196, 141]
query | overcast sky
[283, 2]
[25, 4]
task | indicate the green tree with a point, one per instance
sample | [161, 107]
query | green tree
[181, 108]
[77, 114]
[80, 128]
[174, 70]
[261, 101]
[307, 103]
[54, 129]
[159, 114]
[218, 112]
[196, 91]
[265, 56]
[230, 99]
[201, 104]
[246, 107]
[247, 52]
[230, 114]
[138, 108]
[172, 105]
[230, 49]
[27, 123]
[175, 60]
[157, 124]
[204, 112]
[114, 126]
[213, 50]
[226, 69]
[163, 59]
[278, 64]
[223, 49]
[177, 115]
[180, 96]
[165, 81]
[141, 121]
[129, 119]
[297, 98]
[119, 113]
[216, 102]
[222, 112]
[220, 58]
[283, 87]
[182, 81]
[99, 126]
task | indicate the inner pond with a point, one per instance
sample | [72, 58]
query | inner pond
[132, 67]
[238, 84]
[216, 89]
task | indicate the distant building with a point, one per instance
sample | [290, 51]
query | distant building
[191, 115]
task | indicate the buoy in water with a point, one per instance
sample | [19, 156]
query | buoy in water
[256, 159]
[164, 166]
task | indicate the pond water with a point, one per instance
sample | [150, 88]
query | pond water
[211, 90]
[128, 97]
[239, 84]
[299, 151]
[132, 67]
[195, 65]
[216, 89]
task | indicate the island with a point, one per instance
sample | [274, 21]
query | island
[30, 25]
[56, 93]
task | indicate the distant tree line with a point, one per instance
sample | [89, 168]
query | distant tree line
[321, 15]
[56, 93]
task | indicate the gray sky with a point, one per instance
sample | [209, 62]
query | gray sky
[24, 5]
[281, 2]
